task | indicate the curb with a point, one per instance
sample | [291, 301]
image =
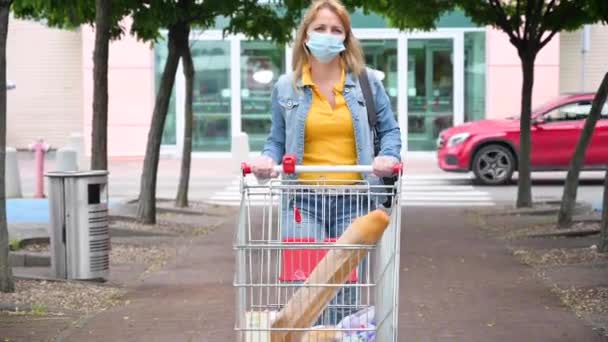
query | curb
[578, 211]
[23, 276]
[122, 233]
[28, 259]
[567, 233]
[172, 210]
[51, 310]
[184, 211]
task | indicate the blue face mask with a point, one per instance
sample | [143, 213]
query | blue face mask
[325, 46]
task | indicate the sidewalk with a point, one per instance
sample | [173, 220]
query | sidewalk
[456, 285]
[208, 174]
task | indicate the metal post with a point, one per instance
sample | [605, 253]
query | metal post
[39, 149]
[585, 47]
[12, 176]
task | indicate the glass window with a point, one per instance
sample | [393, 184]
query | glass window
[569, 112]
[160, 57]
[474, 76]
[211, 100]
[430, 92]
[381, 55]
[261, 65]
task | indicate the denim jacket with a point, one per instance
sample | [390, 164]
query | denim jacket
[291, 103]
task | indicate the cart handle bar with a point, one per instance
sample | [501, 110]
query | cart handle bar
[289, 167]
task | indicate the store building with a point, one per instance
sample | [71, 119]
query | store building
[456, 73]
[432, 79]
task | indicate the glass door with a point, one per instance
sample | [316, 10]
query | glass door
[430, 91]
[211, 100]
[381, 55]
[262, 63]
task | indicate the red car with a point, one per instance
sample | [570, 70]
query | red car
[490, 148]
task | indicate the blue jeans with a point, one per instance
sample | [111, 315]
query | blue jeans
[323, 216]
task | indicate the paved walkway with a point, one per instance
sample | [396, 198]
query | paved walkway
[456, 285]
[208, 175]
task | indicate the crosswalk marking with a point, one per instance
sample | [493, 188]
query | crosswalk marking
[416, 191]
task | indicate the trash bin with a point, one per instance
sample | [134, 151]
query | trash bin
[80, 236]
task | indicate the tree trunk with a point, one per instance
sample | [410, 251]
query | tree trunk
[146, 210]
[570, 189]
[99, 142]
[181, 201]
[603, 245]
[524, 189]
[6, 273]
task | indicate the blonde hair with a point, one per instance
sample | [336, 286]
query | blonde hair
[352, 56]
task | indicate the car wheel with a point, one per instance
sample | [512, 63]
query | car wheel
[493, 165]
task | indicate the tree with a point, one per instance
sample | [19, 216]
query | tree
[6, 273]
[530, 25]
[146, 210]
[571, 187]
[603, 246]
[600, 7]
[99, 140]
[252, 18]
[181, 200]
[106, 16]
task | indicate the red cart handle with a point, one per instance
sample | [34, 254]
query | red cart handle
[289, 167]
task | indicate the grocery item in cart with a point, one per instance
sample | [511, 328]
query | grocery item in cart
[364, 322]
[358, 327]
[259, 320]
[322, 335]
[307, 303]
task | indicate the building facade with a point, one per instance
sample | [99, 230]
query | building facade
[46, 66]
[460, 72]
[582, 70]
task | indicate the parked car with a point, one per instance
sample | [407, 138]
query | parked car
[490, 148]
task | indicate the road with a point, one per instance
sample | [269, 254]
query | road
[424, 185]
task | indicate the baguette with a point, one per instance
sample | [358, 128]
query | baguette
[322, 336]
[304, 308]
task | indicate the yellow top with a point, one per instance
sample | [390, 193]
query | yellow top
[329, 137]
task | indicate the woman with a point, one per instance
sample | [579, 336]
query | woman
[319, 115]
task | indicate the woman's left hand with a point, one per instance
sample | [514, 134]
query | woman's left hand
[383, 166]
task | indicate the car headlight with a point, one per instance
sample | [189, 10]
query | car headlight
[458, 139]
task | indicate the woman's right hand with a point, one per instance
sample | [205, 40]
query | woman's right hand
[263, 167]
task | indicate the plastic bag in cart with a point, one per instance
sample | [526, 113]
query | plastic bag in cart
[363, 320]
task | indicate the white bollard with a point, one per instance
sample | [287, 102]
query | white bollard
[76, 143]
[240, 149]
[11, 174]
[66, 160]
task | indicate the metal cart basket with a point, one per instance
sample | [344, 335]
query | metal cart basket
[286, 226]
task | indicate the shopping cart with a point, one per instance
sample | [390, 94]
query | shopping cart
[278, 243]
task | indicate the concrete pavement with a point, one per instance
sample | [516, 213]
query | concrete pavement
[457, 284]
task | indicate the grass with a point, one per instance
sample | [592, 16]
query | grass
[39, 310]
[199, 231]
[14, 245]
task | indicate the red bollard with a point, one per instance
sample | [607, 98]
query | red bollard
[39, 148]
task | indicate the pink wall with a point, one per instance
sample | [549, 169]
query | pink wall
[131, 93]
[504, 77]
